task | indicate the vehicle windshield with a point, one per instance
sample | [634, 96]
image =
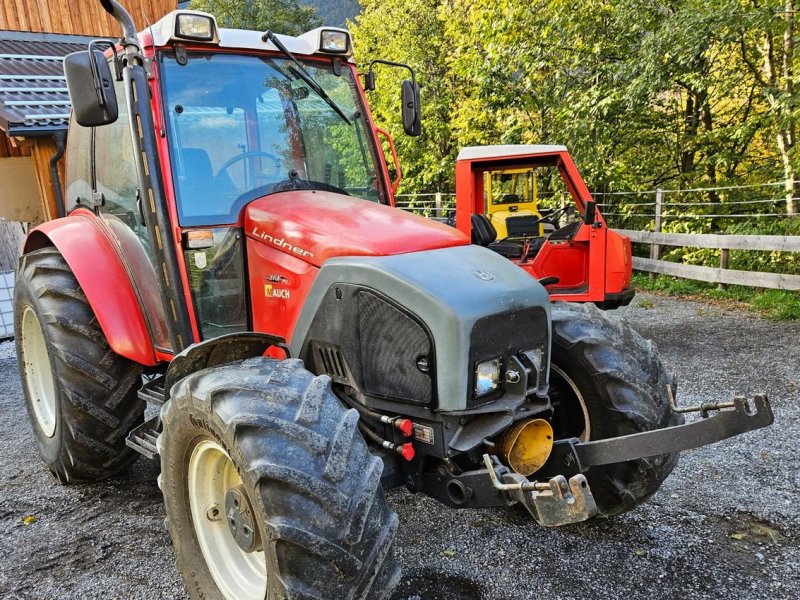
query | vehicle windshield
[241, 127]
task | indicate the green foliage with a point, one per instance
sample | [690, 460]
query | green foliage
[279, 16]
[335, 12]
[644, 94]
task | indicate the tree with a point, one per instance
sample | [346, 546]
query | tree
[279, 16]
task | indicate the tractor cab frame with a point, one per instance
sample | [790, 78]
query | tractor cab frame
[581, 261]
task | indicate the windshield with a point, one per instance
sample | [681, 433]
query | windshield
[241, 127]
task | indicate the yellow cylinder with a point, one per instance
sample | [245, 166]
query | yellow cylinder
[526, 446]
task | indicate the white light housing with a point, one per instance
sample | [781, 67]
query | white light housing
[194, 26]
[334, 41]
[186, 26]
[487, 377]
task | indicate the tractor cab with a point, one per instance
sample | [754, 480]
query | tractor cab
[530, 204]
[511, 202]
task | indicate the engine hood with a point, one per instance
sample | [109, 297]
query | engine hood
[317, 226]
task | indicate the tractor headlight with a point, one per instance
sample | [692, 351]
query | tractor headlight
[194, 27]
[333, 41]
[487, 377]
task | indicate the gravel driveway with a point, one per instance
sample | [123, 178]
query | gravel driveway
[724, 525]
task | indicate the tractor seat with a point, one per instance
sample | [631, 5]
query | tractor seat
[484, 234]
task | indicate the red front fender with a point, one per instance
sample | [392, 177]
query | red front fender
[96, 262]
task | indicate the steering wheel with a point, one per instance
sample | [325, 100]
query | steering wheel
[245, 156]
[556, 213]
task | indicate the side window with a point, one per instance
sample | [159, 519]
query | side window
[79, 169]
[116, 178]
[115, 169]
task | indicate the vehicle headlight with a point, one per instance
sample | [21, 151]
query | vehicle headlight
[335, 42]
[194, 27]
[487, 377]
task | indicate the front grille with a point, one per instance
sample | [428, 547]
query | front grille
[392, 342]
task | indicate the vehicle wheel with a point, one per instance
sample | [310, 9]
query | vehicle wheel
[270, 490]
[606, 381]
[81, 395]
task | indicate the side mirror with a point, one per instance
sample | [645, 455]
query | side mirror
[91, 88]
[412, 122]
[590, 215]
[369, 81]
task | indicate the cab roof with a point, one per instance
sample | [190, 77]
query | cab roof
[306, 44]
[507, 151]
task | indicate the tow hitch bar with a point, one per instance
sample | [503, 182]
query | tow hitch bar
[554, 503]
[560, 501]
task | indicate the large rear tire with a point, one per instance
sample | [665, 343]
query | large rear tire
[81, 395]
[318, 524]
[606, 381]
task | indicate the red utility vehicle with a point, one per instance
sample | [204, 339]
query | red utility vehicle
[232, 254]
[587, 261]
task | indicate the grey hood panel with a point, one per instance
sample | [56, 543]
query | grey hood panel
[449, 289]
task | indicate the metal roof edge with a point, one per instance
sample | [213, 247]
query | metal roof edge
[55, 38]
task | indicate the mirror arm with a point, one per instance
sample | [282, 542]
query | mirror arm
[378, 61]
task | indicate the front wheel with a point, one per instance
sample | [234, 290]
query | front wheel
[270, 490]
[606, 381]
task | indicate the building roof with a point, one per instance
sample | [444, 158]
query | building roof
[507, 151]
[33, 91]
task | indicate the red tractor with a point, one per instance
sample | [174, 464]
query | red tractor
[232, 254]
[580, 260]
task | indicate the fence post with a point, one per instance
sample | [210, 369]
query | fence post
[655, 249]
[438, 204]
[724, 260]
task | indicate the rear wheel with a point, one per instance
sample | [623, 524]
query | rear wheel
[270, 490]
[81, 395]
[607, 381]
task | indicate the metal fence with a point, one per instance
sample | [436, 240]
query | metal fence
[645, 215]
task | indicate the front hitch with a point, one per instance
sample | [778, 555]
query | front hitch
[729, 419]
[559, 501]
[554, 503]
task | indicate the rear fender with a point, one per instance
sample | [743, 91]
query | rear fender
[97, 265]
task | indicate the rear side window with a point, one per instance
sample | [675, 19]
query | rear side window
[115, 168]
[79, 166]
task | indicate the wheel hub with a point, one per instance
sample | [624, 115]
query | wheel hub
[239, 516]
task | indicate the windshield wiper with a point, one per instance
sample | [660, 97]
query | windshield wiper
[269, 36]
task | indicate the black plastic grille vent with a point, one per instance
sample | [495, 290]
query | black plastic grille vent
[331, 361]
[391, 344]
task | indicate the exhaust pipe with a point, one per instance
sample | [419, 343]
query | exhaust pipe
[123, 17]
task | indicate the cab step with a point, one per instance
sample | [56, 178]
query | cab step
[153, 391]
[143, 439]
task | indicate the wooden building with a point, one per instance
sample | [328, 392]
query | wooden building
[35, 35]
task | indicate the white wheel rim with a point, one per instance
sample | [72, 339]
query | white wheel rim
[239, 575]
[38, 374]
[586, 434]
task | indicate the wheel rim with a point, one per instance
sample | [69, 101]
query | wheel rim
[239, 575]
[38, 373]
[573, 396]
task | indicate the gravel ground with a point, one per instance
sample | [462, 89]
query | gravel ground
[724, 525]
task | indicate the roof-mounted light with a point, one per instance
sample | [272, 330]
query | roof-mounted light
[334, 41]
[195, 26]
[185, 26]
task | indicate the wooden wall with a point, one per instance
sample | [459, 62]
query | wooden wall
[80, 17]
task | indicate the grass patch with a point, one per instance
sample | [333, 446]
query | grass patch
[779, 305]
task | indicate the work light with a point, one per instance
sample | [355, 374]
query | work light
[487, 377]
[334, 41]
[194, 27]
